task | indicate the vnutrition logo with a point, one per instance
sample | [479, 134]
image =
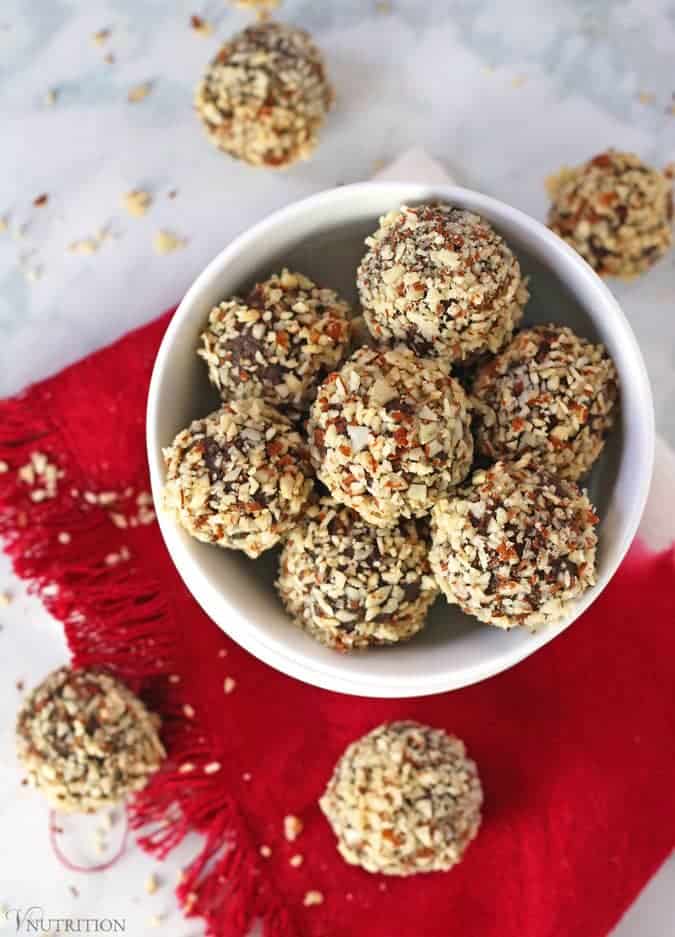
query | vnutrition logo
[35, 920]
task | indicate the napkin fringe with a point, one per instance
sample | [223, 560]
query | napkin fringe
[223, 883]
[117, 619]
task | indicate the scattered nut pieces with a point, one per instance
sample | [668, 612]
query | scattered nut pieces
[293, 827]
[265, 852]
[296, 860]
[156, 920]
[4, 467]
[646, 97]
[52, 96]
[312, 898]
[101, 36]
[139, 92]
[229, 684]
[213, 767]
[64, 537]
[40, 471]
[186, 768]
[188, 711]
[174, 678]
[41, 200]
[201, 26]
[151, 884]
[164, 242]
[5, 599]
[137, 202]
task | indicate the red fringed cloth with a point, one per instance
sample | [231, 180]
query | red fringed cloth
[575, 745]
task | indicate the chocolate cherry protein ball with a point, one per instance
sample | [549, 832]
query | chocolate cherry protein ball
[514, 547]
[390, 434]
[551, 393]
[441, 280]
[615, 211]
[265, 96]
[239, 478]
[85, 741]
[278, 343]
[350, 585]
[404, 799]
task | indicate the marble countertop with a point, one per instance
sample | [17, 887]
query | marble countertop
[498, 93]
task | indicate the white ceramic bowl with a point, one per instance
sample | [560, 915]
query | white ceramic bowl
[322, 236]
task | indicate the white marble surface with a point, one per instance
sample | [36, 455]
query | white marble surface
[502, 94]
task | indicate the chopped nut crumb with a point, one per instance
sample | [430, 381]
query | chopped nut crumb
[296, 860]
[85, 247]
[229, 684]
[293, 827]
[5, 599]
[186, 768]
[64, 537]
[52, 96]
[174, 678]
[265, 852]
[139, 92]
[41, 200]
[4, 467]
[213, 767]
[156, 920]
[109, 58]
[101, 36]
[137, 202]
[201, 26]
[164, 242]
[312, 898]
[646, 97]
[151, 884]
[188, 711]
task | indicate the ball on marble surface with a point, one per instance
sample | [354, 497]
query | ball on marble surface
[551, 393]
[278, 342]
[516, 546]
[615, 211]
[390, 434]
[86, 741]
[351, 585]
[239, 478]
[404, 799]
[442, 281]
[265, 96]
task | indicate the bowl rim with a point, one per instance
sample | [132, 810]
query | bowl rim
[247, 634]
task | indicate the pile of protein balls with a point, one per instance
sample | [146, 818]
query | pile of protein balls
[384, 477]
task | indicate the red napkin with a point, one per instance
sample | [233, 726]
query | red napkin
[575, 745]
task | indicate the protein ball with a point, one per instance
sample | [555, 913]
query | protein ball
[404, 799]
[350, 585]
[441, 280]
[85, 741]
[278, 342]
[265, 96]
[239, 478]
[551, 393]
[615, 211]
[514, 547]
[390, 434]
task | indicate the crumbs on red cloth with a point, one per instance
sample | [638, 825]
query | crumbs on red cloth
[573, 744]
